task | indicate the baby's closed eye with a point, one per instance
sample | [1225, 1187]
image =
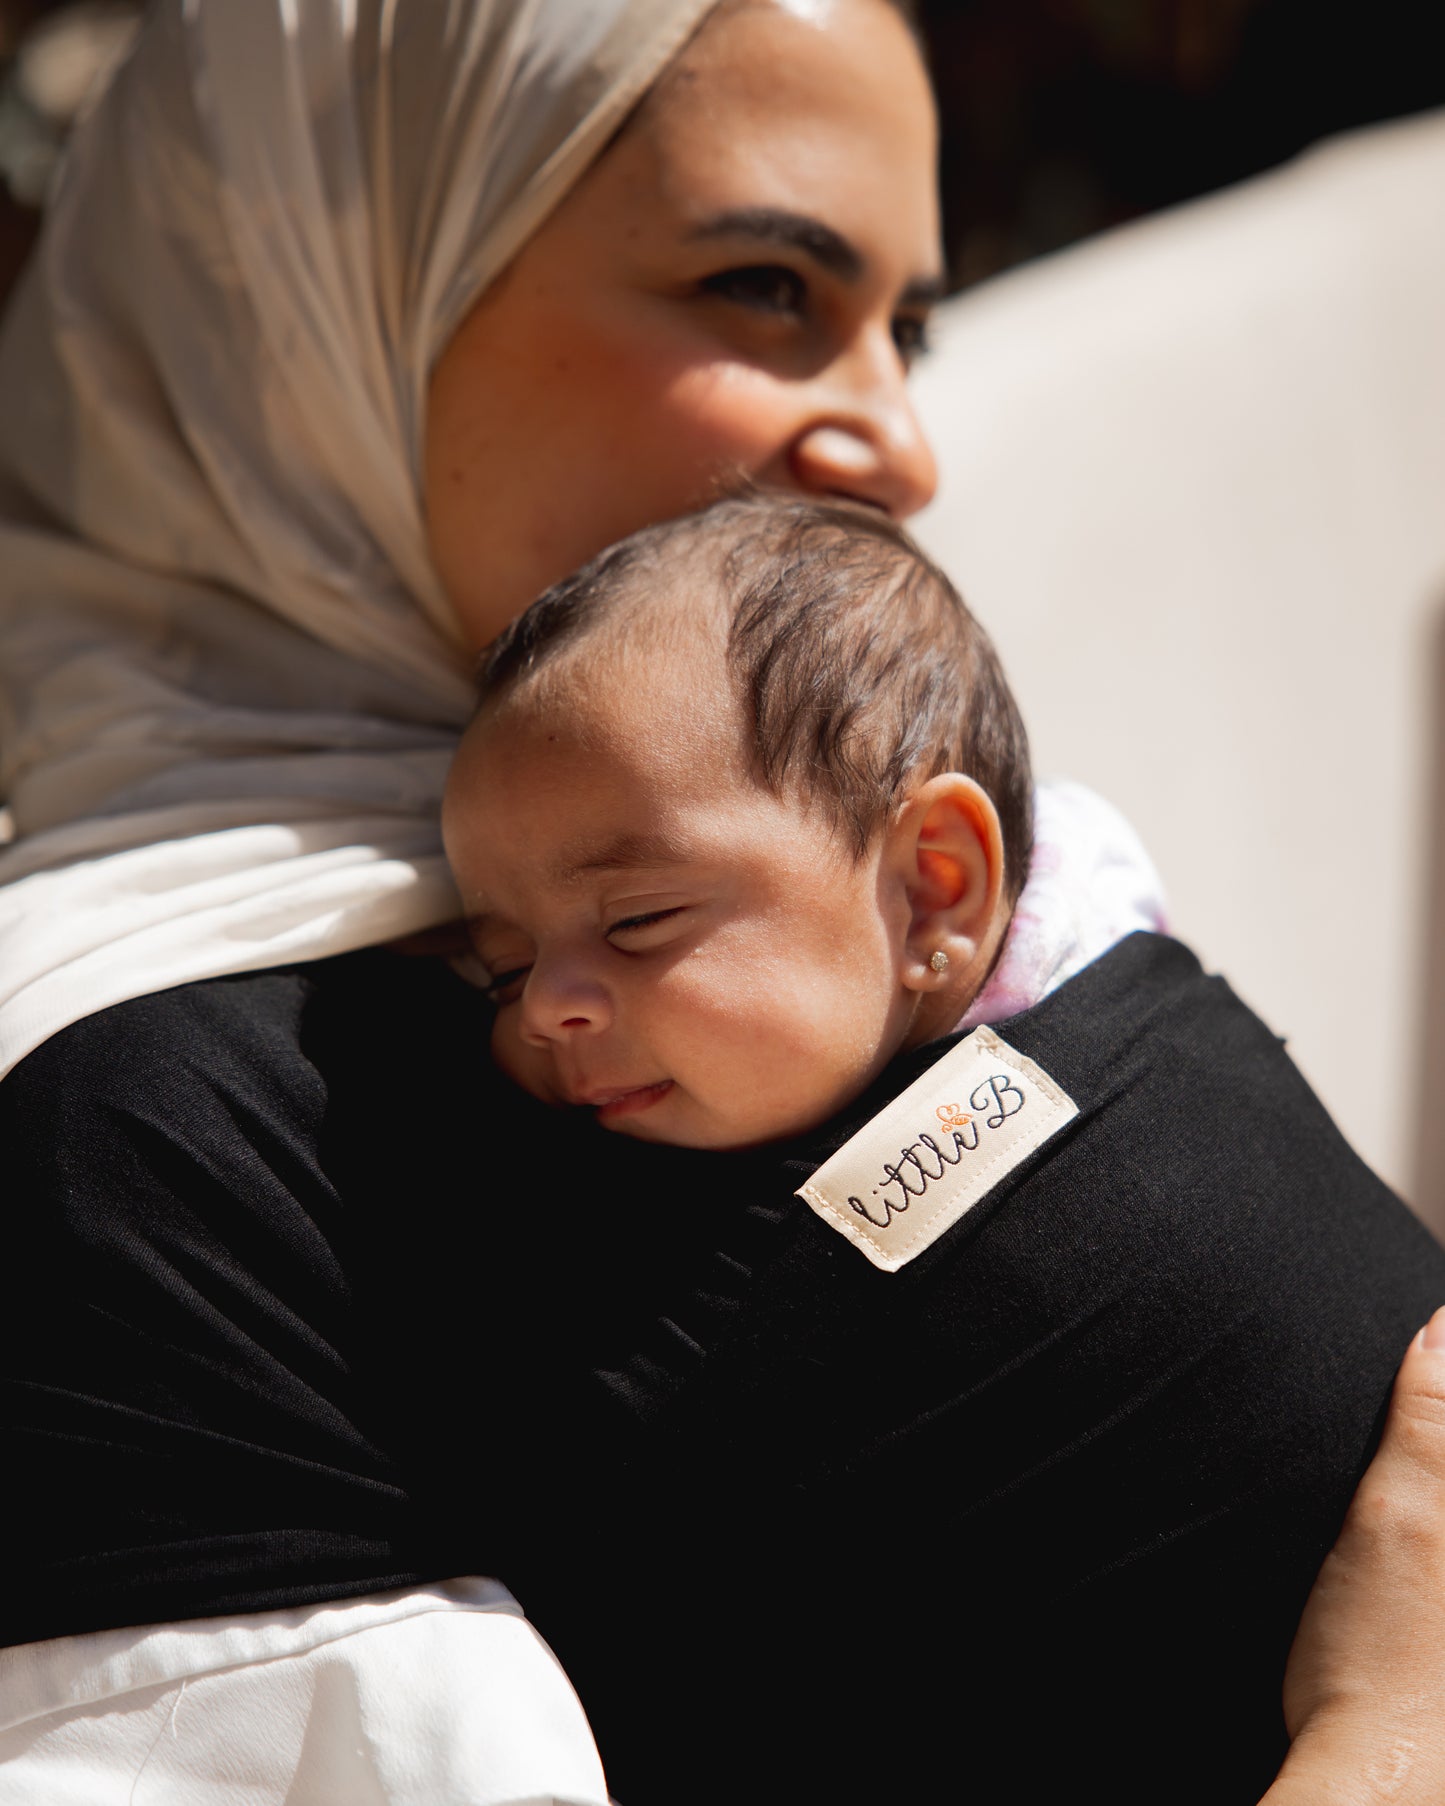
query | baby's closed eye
[506, 987]
[649, 928]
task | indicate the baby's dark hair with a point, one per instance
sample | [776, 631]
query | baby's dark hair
[859, 670]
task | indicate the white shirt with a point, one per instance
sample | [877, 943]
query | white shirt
[436, 1696]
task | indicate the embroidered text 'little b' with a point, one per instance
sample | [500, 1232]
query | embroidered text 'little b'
[937, 1149]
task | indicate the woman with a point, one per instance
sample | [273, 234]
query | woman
[344, 337]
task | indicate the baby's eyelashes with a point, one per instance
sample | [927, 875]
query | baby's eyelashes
[508, 967]
[506, 987]
[650, 928]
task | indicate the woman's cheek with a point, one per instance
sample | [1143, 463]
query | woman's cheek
[727, 417]
[652, 452]
[657, 400]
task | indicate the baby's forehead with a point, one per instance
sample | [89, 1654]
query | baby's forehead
[634, 759]
[659, 663]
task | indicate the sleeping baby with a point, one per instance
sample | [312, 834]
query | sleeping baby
[744, 813]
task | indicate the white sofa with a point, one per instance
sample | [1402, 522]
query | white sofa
[1194, 482]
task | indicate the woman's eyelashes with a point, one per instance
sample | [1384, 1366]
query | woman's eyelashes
[911, 336]
[780, 293]
[767, 288]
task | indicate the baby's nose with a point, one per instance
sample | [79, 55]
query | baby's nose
[561, 1000]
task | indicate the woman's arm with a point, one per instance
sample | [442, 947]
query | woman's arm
[1364, 1692]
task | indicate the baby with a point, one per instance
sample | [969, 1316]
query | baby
[744, 812]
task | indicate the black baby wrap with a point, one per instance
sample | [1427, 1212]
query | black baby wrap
[305, 1303]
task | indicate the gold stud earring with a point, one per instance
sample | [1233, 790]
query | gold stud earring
[938, 960]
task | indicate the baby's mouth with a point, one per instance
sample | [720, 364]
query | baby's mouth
[612, 1105]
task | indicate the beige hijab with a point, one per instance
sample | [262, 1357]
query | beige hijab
[229, 681]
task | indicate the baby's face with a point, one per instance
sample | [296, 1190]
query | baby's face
[669, 946]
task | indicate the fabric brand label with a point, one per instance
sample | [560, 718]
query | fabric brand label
[937, 1149]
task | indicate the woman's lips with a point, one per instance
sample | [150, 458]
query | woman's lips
[610, 1105]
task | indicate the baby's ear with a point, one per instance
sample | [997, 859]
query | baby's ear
[946, 846]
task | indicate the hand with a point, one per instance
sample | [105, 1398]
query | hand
[1364, 1691]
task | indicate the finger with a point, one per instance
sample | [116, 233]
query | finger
[1412, 1449]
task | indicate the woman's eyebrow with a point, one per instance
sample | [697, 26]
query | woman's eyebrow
[801, 232]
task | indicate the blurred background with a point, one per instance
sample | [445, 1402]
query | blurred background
[1189, 403]
[52, 52]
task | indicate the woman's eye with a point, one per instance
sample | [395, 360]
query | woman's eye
[633, 930]
[771, 288]
[910, 335]
[506, 987]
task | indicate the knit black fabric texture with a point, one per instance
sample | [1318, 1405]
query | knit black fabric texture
[305, 1303]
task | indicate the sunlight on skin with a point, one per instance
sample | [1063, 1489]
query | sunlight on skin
[735, 290]
[670, 944]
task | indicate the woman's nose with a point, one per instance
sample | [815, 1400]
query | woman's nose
[865, 441]
[559, 1002]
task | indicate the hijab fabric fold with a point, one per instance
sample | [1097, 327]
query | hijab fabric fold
[230, 683]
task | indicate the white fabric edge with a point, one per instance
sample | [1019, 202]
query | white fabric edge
[67, 1672]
